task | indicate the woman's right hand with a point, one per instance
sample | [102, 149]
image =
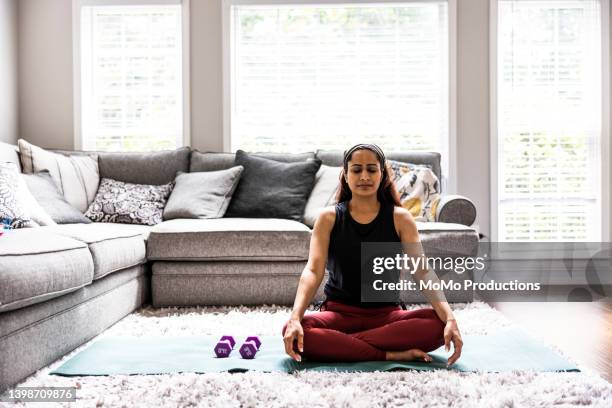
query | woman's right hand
[294, 331]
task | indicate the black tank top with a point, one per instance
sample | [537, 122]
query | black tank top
[344, 254]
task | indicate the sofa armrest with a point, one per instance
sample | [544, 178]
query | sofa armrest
[456, 209]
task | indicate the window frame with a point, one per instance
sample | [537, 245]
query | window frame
[76, 62]
[604, 142]
[449, 181]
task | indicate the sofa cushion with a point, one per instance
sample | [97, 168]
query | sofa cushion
[36, 265]
[204, 194]
[226, 283]
[272, 189]
[144, 168]
[113, 247]
[76, 177]
[121, 229]
[52, 308]
[238, 239]
[213, 161]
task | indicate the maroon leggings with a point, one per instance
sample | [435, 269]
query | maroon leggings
[351, 333]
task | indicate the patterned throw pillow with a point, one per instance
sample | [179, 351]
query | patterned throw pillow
[12, 208]
[418, 187]
[18, 208]
[127, 203]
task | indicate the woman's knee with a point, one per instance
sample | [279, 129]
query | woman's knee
[308, 322]
[439, 323]
[431, 314]
[439, 328]
[436, 327]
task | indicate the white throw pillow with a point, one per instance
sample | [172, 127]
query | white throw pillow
[323, 193]
[16, 201]
[77, 177]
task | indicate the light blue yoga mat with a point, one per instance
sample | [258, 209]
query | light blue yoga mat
[510, 349]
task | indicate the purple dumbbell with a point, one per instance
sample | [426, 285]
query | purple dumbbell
[225, 346]
[250, 347]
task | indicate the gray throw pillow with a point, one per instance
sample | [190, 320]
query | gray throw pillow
[203, 194]
[129, 203]
[45, 191]
[77, 177]
[213, 161]
[272, 189]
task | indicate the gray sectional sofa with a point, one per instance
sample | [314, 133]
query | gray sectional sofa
[62, 285]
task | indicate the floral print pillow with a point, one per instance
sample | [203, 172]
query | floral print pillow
[418, 187]
[12, 207]
[128, 203]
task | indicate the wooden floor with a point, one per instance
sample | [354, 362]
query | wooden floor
[581, 329]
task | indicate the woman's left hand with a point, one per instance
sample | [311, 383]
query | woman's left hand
[451, 334]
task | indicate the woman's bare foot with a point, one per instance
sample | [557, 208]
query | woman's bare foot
[408, 355]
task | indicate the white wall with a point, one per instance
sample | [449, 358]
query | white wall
[206, 75]
[45, 72]
[8, 71]
[473, 164]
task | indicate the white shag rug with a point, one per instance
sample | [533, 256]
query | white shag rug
[317, 389]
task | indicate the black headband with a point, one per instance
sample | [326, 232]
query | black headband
[369, 146]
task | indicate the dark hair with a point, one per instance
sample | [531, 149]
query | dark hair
[387, 193]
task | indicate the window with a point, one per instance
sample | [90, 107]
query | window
[131, 85]
[326, 76]
[549, 120]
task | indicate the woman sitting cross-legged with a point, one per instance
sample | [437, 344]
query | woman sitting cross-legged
[347, 329]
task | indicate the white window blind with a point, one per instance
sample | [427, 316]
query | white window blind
[549, 117]
[307, 77]
[131, 77]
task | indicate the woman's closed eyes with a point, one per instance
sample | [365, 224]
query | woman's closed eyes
[356, 169]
